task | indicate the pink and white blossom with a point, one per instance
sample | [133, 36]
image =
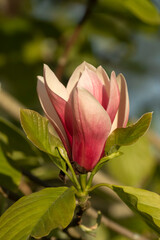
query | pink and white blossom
[85, 112]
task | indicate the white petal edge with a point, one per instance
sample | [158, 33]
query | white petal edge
[103, 76]
[54, 84]
[50, 111]
[122, 115]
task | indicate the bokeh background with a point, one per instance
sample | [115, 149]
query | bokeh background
[119, 35]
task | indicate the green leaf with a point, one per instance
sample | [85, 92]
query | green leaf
[99, 165]
[129, 135]
[144, 10]
[9, 176]
[136, 166]
[38, 213]
[38, 132]
[142, 202]
[104, 160]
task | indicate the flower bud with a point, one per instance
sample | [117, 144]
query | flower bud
[86, 111]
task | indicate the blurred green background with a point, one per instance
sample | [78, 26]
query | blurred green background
[119, 35]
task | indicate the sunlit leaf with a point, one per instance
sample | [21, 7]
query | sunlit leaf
[129, 135]
[103, 161]
[37, 130]
[144, 10]
[38, 213]
[142, 202]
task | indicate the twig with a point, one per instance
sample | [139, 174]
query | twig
[9, 194]
[116, 227]
[92, 213]
[24, 187]
[9, 104]
[63, 59]
[76, 221]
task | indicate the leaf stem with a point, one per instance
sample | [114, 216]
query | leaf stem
[99, 185]
[83, 181]
[73, 178]
[67, 174]
[99, 165]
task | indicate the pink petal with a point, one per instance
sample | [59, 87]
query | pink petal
[77, 74]
[91, 82]
[114, 97]
[91, 127]
[102, 75]
[51, 113]
[122, 115]
[58, 96]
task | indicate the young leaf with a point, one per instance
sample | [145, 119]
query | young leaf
[37, 130]
[142, 202]
[37, 214]
[104, 160]
[129, 135]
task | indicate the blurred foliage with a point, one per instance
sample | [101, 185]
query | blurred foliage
[136, 166]
[120, 35]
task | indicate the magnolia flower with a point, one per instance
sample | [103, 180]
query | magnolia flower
[85, 112]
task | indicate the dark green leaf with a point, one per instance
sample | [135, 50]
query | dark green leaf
[17, 149]
[9, 176]
[38, 213]
[129, 135]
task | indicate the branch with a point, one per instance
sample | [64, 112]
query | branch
[9, 194]
[92, 213]
[116, 227]
[63, 59]
[9, 104]
[76, 221]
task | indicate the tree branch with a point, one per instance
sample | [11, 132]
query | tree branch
[92, 213]
[115, 226]
[9, 194]
[10, 104]
[63, 59]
